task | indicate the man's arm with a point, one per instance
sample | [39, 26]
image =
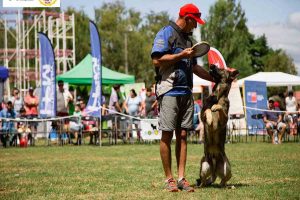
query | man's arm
[170, 59]
[202, 73]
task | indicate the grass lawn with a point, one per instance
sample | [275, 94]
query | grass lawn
[260, 171]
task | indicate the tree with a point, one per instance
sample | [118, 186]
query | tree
[153, 23]
[226, 30]
[278, 60]
[258, 49]
[82, 33]
[115, 22]
[111, 25]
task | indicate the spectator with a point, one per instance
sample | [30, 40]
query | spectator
[133, 106]
[63, 98]
[71, 106]
[17, 101]
[82, 107]
[150, 103]
[197, 123]
[114, 105]
[291, 112]
[272, 119]
[103, 104]
[8, 129]
[31, 107]
[76, 125]
[23, 130]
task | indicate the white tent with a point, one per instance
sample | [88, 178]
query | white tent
[273, 79]
[198, 83]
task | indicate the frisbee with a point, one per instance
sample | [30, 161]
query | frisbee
[201, 48]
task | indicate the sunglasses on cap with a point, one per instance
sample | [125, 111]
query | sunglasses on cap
[198, 15]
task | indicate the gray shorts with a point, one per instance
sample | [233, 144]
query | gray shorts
[176, 112]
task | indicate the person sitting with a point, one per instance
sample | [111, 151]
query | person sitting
[7, 130]
[273, 121]
[24, 131]
[291, 112]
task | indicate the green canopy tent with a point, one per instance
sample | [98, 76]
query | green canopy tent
[82, 74]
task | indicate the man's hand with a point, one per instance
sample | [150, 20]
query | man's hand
[188, 53]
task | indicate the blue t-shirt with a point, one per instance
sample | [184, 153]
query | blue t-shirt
[171, 40]
[7, 125]
[272, 116]
[196, 113]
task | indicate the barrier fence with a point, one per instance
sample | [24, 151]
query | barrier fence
[114, 128]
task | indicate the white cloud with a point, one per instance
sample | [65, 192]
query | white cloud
[294, 20]
[285, 36]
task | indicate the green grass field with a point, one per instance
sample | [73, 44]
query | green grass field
[260, 171]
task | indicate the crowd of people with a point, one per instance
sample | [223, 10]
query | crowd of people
[282, 115]
[27, 107]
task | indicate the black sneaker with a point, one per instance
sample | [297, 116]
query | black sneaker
[184, 185]
[171, 186]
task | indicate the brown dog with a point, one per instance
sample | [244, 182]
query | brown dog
[215, 116]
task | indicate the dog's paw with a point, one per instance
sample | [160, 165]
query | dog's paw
[216, 107]
[208, 116]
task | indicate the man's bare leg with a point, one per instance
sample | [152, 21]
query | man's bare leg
[165, 152]
[181, 151]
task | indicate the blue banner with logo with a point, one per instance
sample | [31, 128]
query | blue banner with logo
[255, 94]
[48, 78]
[94, 103]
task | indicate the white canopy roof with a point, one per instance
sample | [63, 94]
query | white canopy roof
[273, 79]
[199, 81]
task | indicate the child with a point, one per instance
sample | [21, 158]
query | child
[76, 125]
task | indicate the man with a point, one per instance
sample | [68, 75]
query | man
[150, 103]
[7, 130]
[174, 62]
[63, 97]
[31, 106]
[114, 100]
[272, 119]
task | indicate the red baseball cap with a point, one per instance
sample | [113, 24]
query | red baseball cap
[192, 11]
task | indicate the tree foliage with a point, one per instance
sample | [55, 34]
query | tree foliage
[82, 33]
[115, 22]
[226, 30]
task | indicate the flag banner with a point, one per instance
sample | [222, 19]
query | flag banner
[94, 103]
[216, 58]
[255, 97]
[48, 78]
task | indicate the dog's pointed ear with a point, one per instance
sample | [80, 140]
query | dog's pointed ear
[233, 73]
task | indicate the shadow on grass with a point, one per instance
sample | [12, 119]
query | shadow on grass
[228, 186]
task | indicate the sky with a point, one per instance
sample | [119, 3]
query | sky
[279, 20]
